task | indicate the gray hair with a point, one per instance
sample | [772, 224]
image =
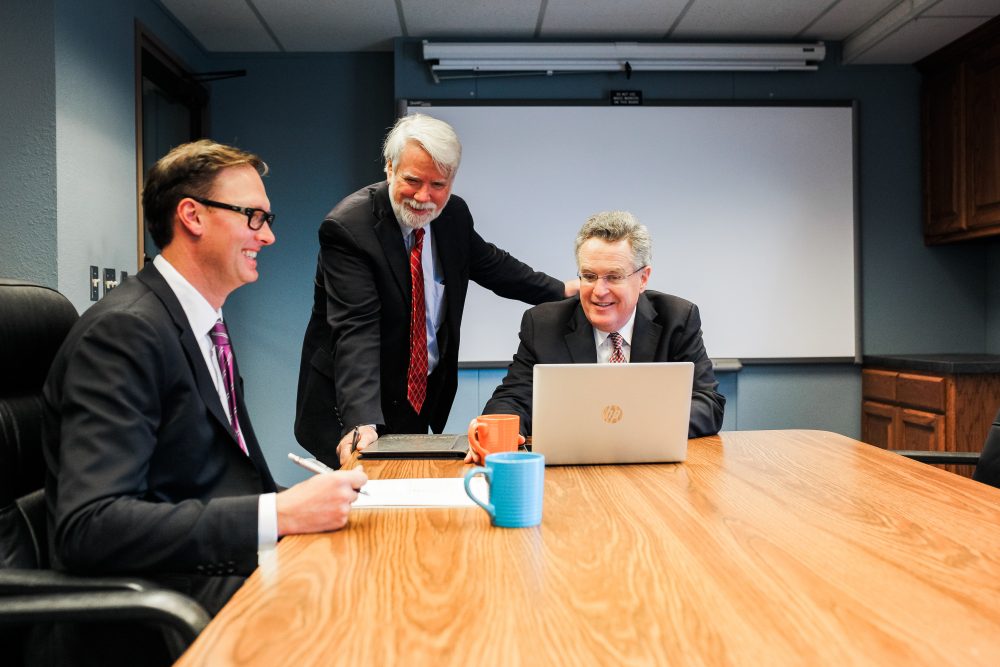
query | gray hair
[612, 226]
[436, 137]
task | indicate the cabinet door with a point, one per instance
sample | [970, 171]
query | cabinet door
[943, 139]
[983, 139]
[879, 424]
[920, 430]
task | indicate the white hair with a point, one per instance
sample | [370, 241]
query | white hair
[435, 136]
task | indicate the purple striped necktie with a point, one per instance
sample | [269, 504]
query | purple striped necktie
[224, 355]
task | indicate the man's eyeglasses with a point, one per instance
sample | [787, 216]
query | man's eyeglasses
[256, 217]
[609, 278]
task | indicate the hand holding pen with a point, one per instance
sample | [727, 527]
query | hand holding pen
[356, 440]
[316, 466]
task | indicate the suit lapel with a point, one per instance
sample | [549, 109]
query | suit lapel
[196, 361]
[579, 338]
[391, 239]
[206, 388]
[645, 333]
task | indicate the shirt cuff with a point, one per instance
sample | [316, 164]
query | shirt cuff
[267, 522]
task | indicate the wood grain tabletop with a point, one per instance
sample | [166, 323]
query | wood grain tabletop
[763, 548]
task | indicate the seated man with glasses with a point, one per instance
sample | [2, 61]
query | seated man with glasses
[153, 465]
[615, 319]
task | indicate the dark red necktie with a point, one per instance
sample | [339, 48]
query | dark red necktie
[416, 379]
[617, 354]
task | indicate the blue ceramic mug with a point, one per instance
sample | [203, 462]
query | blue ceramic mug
[516, 481]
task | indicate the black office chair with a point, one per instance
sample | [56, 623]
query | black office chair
[34, 321]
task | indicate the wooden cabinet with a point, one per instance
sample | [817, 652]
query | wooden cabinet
[928, 411]
[960, 127]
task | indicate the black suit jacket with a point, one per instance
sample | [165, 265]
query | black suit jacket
[667, 328]
[145, 474]
[355, 354]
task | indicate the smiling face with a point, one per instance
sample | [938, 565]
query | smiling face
[608, 307]
[418, 190]
[228, 247]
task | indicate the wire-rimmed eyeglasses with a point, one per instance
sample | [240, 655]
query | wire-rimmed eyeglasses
[610, 278]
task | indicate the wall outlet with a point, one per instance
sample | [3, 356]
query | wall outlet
[95, 284]
[109, 280]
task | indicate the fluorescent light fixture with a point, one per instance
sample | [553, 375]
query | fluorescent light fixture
[619, 56]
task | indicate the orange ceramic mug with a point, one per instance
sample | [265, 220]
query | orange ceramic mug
[489, 434]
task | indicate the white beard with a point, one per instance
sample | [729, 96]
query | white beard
[407, 216]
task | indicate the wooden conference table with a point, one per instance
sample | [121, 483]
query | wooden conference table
[764, 548]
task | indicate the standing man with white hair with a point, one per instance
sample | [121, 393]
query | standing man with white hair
[380, 353]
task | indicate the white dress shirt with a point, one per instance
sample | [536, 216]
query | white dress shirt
[202, 317]
[605, 347]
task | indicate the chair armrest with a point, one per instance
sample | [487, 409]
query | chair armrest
[166, 609]
[953, 458]
[40, 582]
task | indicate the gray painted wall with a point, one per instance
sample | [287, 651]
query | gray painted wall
[28, 142]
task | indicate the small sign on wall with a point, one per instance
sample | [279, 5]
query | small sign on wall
[632, 98]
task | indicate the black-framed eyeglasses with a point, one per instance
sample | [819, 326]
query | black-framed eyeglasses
[610, 278]
[256, 217]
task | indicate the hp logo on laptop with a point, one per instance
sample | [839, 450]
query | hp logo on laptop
[612, 414]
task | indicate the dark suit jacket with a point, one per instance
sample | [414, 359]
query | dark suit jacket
[667, 328]
[144, 472]
[356, 349]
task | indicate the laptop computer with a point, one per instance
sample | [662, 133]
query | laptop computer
[611, 413]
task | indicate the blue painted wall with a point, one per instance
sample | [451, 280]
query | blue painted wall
[319, 120]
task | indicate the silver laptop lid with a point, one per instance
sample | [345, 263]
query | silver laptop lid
[611, 413]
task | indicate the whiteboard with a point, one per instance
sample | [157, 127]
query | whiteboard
[751, 211]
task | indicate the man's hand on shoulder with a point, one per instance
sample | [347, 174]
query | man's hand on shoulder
[366, 436]
[572, 287]
[319, 504]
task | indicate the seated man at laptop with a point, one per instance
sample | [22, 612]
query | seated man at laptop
[615, 319]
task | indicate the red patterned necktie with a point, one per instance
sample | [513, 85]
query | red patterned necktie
[617, 355]
[416, 379]
[224, 354]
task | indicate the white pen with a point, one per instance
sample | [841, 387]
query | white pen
[316, 466]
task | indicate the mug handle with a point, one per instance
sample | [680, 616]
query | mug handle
[488, 474]
[475, 429]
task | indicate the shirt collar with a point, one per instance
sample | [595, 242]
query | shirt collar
[625, 331]
[199, 312]
[408, 231]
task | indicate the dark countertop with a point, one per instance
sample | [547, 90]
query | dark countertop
[938, 363]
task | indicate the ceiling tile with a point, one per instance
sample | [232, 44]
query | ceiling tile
[340, 25]
[846, 17]
[916, 39]
[222, 25]
[748, 19]
[625, 19]
[965, 8]
[497, 19]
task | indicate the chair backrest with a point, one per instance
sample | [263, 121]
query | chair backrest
[34, 321]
